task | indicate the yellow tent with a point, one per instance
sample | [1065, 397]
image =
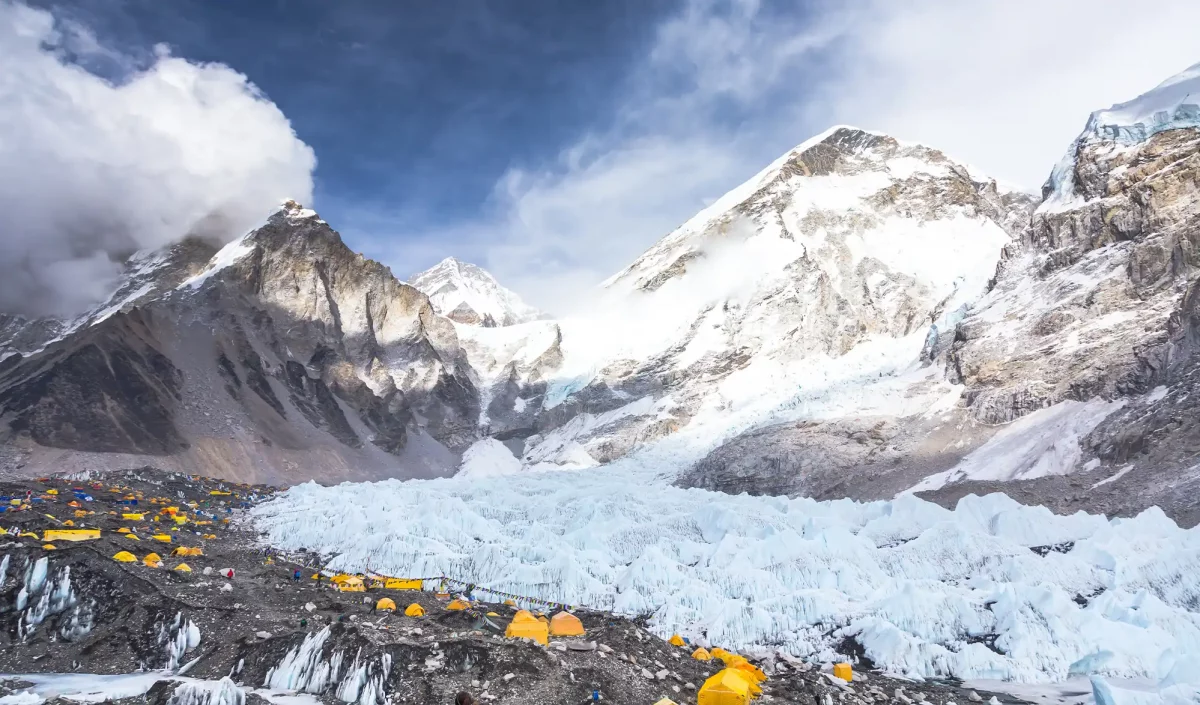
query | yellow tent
[565, 624]
[125, 557]
[51, 491]
[414, 610]
[153, 560]
[456, 605]
[188, 551]
[49, 546]
[132, 536]
[219, 493]
[717, 652]
[493, 614]
[209, 536]
[701, 655]
[165, 538]
[675, 640]
[123, 530]
[352, 584]
[386, 605]
[80, 513]
[340, 578]
[524, 616]
[843, 671]
[510, 603]
[402, 584]
[132, 517]
[28, 535]
[69, 522]
[529, 628]
[71, 534]
[183, 568]
[724, 688]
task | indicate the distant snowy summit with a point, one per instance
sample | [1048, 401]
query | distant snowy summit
[466, 293]
[1172, 104]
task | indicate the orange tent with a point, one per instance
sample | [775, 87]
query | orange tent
[565, 624]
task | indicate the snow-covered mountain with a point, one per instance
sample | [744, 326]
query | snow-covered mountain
[468, 294]
[864, 317]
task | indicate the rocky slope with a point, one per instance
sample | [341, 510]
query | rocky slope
[1081, 354]
[283, 356]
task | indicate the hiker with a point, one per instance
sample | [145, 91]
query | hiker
[296, 576]
[464, 698]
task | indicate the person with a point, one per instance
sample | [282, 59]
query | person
[296, 576]
[464, 698]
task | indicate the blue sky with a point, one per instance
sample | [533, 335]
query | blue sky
[552, 140]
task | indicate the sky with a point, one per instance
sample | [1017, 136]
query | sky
[548, 141]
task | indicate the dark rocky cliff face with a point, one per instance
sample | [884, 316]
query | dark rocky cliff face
[291, 343]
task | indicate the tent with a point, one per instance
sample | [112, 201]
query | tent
[565, 624]
[125, 557]
[352, 584]
[385, 605]
[414, 610]
[701, 655]
[165, 538]
[843, 671]
[123, 530]
[456, 605]
[510, 603]
[188, 551]
[132, 517]
[529, 628]
[49, 546]
[724, 688]
[675, 640]
[524, 616]
[717, 652]
[340, 578]
[183, 568]
[152, 560]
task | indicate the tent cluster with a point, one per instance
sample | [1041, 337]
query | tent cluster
[525, 625]
[359, 583]
[153, 560]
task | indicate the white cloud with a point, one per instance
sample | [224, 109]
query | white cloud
[91, 170]
[730, 84]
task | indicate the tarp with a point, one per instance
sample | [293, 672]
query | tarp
[403, 584]
[70, 534]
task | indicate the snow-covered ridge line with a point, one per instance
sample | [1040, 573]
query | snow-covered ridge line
[927, 591]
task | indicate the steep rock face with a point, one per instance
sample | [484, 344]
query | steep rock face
[283, 357]
[468, 294]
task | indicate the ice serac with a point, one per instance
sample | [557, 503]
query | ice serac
[788, 316]
[1098, 301]
[466, 293]
[282, 356]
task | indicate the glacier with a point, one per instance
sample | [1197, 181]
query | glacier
[990, 590]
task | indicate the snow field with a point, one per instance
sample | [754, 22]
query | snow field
[927, 591]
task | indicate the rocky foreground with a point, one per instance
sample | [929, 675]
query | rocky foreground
[70, 608]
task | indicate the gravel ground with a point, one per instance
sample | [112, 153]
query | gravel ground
[123, 617]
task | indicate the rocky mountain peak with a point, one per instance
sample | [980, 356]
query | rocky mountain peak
[469, 294]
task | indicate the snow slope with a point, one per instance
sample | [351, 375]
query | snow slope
[922, 588]
[467, 293]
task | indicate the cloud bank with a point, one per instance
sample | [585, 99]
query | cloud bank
[92, 170]
[729, 85]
